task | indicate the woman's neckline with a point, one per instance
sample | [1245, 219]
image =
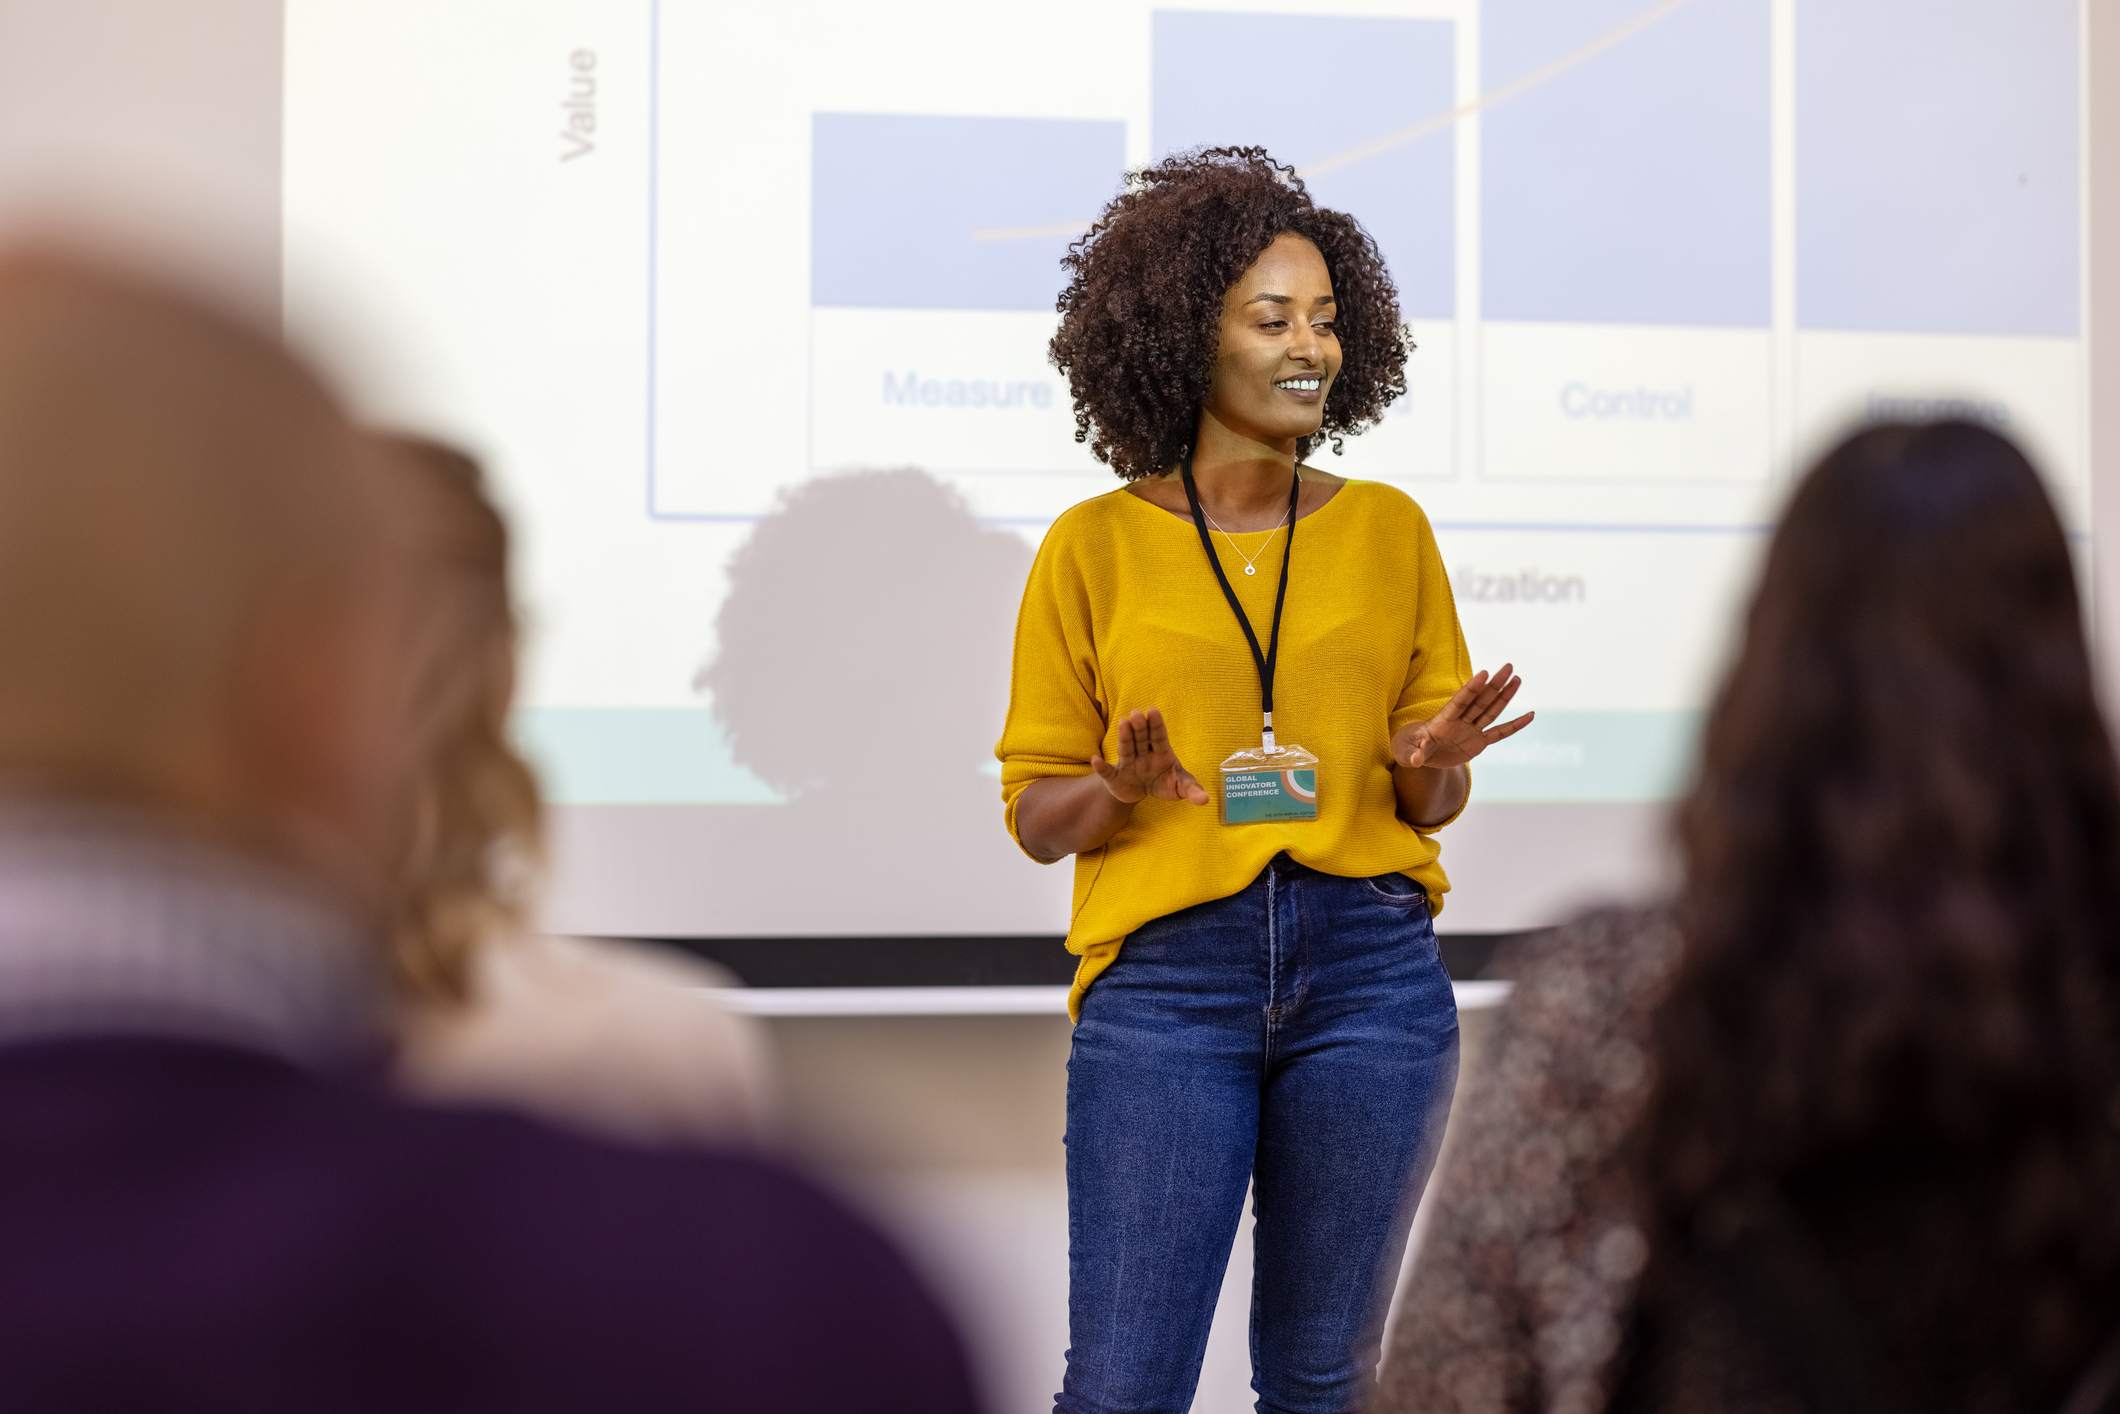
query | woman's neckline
[1185, 517]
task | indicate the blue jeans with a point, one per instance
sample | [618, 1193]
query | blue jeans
[1300, 1036]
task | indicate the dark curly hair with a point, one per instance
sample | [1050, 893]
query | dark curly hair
[1902, 903]
[1141, 317]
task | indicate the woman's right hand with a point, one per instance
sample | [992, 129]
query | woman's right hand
[1143, 764]
[1063, 815]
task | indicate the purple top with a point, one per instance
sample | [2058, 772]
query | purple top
[205, 1206]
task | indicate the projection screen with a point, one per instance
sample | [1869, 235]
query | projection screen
[746, 307]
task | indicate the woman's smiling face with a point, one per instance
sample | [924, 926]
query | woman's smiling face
[1279, 353]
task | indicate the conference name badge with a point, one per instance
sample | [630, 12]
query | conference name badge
[1266, 786]
[1273, 783]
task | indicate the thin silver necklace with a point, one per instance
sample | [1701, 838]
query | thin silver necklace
[1251, 561]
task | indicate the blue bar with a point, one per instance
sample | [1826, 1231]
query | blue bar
[1938, 180]
[678, 756]
[894, 202]
[1635, 186]
[635, 756]
[1307, 88]
[1588, 755]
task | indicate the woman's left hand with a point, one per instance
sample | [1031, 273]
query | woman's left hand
[1465, 727]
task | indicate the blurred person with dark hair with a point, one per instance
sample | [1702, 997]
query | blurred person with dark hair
[1842, 1130]
[606, 1035]
[208, 1198]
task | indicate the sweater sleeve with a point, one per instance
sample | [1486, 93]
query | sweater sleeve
[1055, 721]
[1440, 664]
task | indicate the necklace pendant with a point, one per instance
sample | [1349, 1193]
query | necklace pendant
[1249, 570]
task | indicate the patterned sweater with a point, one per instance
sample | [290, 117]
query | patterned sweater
[1521, 1293]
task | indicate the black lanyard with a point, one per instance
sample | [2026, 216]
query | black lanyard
[1266, 659]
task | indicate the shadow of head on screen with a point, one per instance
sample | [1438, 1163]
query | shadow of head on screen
[862, 671]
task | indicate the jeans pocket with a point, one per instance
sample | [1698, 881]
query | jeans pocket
[1396, 890]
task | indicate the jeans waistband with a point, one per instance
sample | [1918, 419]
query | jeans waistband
[1284, 866]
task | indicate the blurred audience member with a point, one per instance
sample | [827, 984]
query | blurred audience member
[207, 1199]
[1841, 1132]
[609, 1036]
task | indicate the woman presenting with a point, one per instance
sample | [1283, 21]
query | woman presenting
[1247, 747]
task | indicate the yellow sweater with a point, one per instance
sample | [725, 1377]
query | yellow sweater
[1122, 613]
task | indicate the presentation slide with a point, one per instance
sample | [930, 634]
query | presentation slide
[746, 308]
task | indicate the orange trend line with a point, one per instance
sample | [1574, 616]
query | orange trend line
[1509, 90]
[1025, 233]
[1487, 100]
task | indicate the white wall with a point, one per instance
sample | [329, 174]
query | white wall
[2103, 297]
[160, 119]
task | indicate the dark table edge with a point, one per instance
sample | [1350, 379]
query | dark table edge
[956, 959]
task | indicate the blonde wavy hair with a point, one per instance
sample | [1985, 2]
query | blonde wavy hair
[478, 831]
